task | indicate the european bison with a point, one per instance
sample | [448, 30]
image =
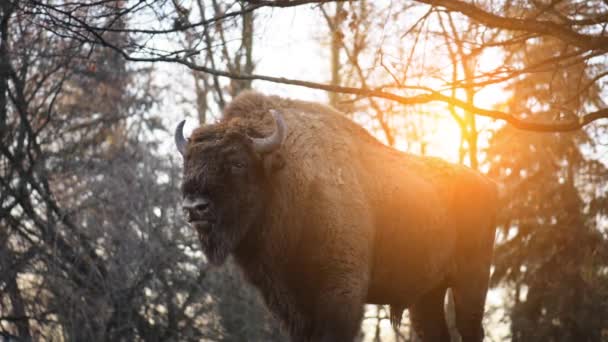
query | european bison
[323, 218]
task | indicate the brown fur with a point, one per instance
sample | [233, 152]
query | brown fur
[347, 221]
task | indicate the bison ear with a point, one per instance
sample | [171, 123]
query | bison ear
[273, 162]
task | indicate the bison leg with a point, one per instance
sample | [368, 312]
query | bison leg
[469, 302]
[341, 296]
[474, 258]
[428, 316]
[470, 288]
[339, 312]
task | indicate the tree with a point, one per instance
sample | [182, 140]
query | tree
[551, 251]
[93, 243]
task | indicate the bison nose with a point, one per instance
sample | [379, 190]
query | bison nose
[195, 203]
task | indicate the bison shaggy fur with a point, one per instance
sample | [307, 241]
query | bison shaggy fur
[332, 219]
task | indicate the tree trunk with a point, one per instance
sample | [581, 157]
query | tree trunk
[336, 46]
[18, 310]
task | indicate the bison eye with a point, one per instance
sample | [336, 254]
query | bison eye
[238, 167]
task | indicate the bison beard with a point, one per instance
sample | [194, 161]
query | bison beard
[220, 238]
[323, 218]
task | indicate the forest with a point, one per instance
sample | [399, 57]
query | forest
[93, 241]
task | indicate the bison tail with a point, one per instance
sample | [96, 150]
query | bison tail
[396, 312]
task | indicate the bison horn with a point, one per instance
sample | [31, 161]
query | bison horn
[180, 141]
[274, 141]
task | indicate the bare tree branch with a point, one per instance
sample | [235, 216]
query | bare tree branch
[562, 32]
[524, 124]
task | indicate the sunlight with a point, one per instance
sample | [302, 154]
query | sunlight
[439, 133]
[444, 139]
[492, 97]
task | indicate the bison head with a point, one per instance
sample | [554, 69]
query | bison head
[226, 183]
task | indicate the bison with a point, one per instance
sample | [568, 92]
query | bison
[322, 218]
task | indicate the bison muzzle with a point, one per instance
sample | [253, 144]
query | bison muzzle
[322, 218]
